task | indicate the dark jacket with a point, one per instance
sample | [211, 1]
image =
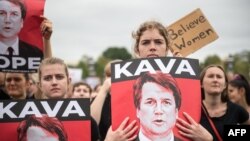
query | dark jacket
[28, 50]
[175, 139]
[25, 52]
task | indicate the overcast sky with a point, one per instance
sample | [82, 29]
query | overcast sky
[88, 27]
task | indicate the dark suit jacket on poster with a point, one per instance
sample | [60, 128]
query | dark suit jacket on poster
[28, 50]
[175, 139]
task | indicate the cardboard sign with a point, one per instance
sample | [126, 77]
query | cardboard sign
[25, 53]
[126, 73]
[191, 33]
[75, 74]
[64, 117]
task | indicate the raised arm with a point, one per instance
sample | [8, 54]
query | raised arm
[46, 29]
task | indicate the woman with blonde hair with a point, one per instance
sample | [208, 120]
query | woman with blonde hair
[151, 40]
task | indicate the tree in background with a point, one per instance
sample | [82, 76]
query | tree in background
[241, 63]
[84, 68]
[117, 53]
[237, 63]
[110, 54]
[99, 66]
[213, 59]
[83, 64]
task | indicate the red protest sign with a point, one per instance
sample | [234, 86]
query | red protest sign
[155, 91]
[64, 119]
[21, 46]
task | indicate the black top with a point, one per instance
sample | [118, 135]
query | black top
[3, 95]
[30, 54]
[94, 130]
[175, 139]
[235, 114]
[105, 121]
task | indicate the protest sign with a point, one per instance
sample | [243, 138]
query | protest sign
[191, 33]
[178, 76]
[68, 119]
[21, 46]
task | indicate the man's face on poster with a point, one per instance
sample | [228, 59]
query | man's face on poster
[158, 110]
[11, 20]
[36, 133]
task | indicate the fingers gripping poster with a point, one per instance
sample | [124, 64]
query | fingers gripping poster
[155, 92]
[21, 46]
[45, 120]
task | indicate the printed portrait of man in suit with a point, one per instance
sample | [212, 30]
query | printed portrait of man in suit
[157, 99]
[12, 15]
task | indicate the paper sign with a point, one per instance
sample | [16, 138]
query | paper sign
[191, 33]
[75, 74]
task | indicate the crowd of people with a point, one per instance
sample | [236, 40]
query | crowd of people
[223, 102]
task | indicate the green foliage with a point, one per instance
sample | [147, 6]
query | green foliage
[117, 53]
[240, 63]
[111, 53]
[213, 59]
[84, 67]
[100, 65]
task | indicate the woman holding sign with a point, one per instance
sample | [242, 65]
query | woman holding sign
[217, 110]
[151, 40]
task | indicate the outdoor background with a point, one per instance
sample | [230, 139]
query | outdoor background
[84, 29]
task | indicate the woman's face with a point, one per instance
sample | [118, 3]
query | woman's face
[54, 81]
[234, 94]
[152, 44]
[16, 85]
[214, 81]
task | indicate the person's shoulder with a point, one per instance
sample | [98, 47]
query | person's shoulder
[232, 105]
[235, 109]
